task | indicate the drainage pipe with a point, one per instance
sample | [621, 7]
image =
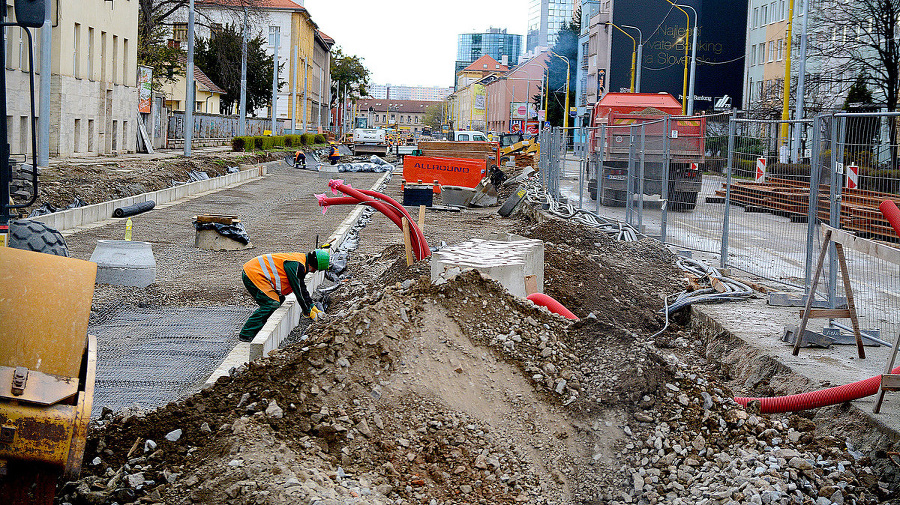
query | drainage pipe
[131, 210]
[422, 249]
[552, 305]
[347, 189]
[891, 213]
[820, 398]
[389, 211]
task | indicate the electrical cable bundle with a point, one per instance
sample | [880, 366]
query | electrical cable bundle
[733, 290]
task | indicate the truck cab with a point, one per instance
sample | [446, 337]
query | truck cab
[627, 128]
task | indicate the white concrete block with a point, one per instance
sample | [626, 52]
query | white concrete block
[509, 263]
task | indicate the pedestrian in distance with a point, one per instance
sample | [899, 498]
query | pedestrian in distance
[334, 155]
[271, 277]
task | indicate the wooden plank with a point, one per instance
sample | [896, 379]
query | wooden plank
[422, 218]
[216, 218]
[407, 242]
[829, 313]
[851, 307]
[890, 382]
[865, 246]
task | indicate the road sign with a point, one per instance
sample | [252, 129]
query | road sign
[760, 170]
[852, 176]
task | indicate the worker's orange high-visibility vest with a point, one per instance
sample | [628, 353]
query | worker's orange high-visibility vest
[267, 271]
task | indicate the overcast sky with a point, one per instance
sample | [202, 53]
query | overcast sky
[412, 42]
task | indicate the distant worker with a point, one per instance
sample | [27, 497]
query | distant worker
[300, 160]
[271, 277]
[334, 155]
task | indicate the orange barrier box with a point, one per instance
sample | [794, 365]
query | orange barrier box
[446, 171]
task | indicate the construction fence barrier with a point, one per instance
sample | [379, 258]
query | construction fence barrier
[752, 192]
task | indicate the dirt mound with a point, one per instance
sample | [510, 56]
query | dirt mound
[59, 185]
[619, 282]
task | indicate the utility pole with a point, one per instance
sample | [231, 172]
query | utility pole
[190, 92]
[273, 41]
[786, 96]
[305, 87]
[797, 153]
[295, 66]
[43, 154]
[242, 110]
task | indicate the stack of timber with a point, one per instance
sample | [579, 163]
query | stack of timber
[488, 151]
[859, 208]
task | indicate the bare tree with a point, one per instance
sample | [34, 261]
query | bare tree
[849, 38]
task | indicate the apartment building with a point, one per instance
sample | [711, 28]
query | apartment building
[93, 82]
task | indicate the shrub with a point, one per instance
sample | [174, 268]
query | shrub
[288, 141]
[308, 138]
[278, 141]
[319, 138]
[239, 143]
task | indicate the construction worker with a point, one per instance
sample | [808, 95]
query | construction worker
[334, 155]
[300, 159]
[271, 277]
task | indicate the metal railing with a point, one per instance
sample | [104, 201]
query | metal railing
[761, 196]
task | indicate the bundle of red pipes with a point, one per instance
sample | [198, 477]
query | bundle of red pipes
[380, 202]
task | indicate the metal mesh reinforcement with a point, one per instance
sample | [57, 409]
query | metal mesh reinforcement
[150, 357]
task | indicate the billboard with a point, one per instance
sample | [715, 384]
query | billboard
[145, 89]
[720, 48]
[522, 110]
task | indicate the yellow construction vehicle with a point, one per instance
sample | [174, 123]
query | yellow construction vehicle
[516, 143]
[47, 360]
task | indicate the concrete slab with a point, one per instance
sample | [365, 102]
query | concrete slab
[509, 263]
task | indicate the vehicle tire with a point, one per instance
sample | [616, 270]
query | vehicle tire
[613, 198]
[36, 236]
[512, 202]
[684, 201]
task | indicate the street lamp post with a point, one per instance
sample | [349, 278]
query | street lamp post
[690, 91]
[633, 49]
[566, 111]
[640, 55]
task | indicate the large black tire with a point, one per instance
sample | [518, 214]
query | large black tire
[512, 202]
[684, 201]
[612, 198]
[36, 236]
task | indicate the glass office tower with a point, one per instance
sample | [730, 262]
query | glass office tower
[545, 19]
[495, 42]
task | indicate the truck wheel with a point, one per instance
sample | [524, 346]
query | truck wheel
[613, 198]
[684, 201]
[36, 236]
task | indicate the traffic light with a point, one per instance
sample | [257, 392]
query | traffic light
[30, 13]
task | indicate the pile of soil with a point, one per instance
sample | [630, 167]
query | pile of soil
[621, 283]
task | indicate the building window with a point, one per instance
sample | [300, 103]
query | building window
[76, 50]
[771, 51]
[115, 59]
[755, 17]
[752, 55]
[90, 55]
[780, 49]
[179, 32]
[76, 143]
[115, 136]
[763, 20]
[125, 62]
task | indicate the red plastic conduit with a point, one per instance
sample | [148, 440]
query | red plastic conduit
[416, 235]
[552, 305]
[838, 394]
[816, 399]
[891, 213]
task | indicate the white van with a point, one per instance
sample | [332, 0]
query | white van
[469, 136]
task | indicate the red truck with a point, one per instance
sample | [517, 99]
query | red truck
[617, 115]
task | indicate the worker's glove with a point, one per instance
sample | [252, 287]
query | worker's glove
[314, 312]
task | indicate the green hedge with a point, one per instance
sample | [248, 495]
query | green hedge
[265, 143]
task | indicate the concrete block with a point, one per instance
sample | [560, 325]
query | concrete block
[181, 191]
[90, 214]
[509, 263]
[124, 263]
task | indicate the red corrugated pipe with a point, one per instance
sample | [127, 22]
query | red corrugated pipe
[816, 399]
[892, 214]
[552, 305]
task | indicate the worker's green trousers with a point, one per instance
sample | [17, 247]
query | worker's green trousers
[259, 317]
